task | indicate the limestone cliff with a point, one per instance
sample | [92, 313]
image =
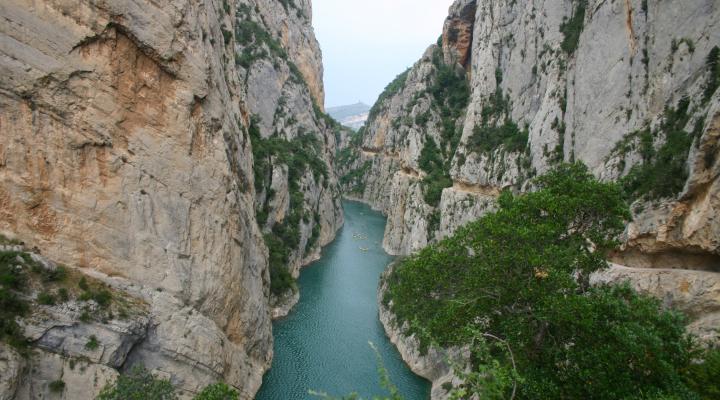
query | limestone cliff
[515, 87]
[131, 137]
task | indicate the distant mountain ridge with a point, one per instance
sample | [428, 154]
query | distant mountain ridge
[353, 115]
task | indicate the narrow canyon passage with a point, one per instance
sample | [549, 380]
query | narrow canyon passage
[323, 344]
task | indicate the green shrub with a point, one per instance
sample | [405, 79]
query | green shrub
[572, 28]
[354, 181]
[138, 384]
[92, 343]
[664, 171]
[218, 391]
[301, 154]
[57, 386]
[437, 177]
[11, 277]
[487, 138]
[12, 307]
[713, 66]
[516, 282]
[497, 128]
[703, 377]
[46, 299]
[451, 91]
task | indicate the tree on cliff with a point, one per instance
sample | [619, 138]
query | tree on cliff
[515, 286]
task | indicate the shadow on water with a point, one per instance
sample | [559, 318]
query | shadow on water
[323, 344]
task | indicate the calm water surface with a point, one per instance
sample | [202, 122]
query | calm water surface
[323, 344]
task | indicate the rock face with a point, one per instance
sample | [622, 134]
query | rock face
[627, 87]
[127, 150]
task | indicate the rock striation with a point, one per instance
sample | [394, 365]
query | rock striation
[130, 138]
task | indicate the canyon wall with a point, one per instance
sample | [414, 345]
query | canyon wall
[513, 88]
[133, 148]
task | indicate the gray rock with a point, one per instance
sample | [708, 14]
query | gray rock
[128, 157]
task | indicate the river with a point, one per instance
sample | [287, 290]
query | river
[323, 344]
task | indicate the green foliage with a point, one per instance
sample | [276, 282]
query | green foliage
[354, 181]
[664, 171]
[46, 299]
[451, 92]
[437, 178]
[288, 4]
[391, 89]
[572, 28]
[487, 138]
[56, 386]
[101, 296]
[138, 384]
[300, 155]
[496, 128]
[218, 391]
[713, 66]
[258, 44]
[702, 376]
[279, 255]
[12, 306]
[521, 277]
[92, 343]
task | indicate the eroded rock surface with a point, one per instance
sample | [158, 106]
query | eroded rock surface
[634, 87]
[125, 151]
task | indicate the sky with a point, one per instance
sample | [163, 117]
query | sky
[367, 43]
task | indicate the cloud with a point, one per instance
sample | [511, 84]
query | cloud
[367, 43]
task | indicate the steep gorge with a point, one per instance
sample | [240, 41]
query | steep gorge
[146, 144]
[513, 88]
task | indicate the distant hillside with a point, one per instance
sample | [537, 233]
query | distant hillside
[352, 116]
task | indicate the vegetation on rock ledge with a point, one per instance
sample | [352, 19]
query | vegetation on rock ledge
[663, 171]
[515, 286]
[299, 155]
[140, 384]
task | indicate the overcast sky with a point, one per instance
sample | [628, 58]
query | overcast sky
[367, 43]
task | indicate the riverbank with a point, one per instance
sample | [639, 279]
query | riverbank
[435, 365]
[322, 344]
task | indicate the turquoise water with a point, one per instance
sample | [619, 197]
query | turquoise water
[323, 344]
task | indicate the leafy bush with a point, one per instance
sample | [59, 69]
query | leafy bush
[102, 296]
[63, 294]
[92, 343]
[301, 154]
[56, 386]
[218, 391]
[713, 66]
[663, 172]
[138, 384]
[702, 377]
[520, 277]
[496, 128]
[487, 138]
[355, 179]
[12, 307]
[572, 28]
[46, 299]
